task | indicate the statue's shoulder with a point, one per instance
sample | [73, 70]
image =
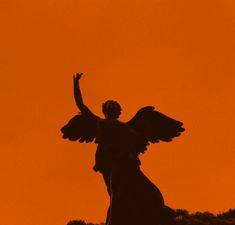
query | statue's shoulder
[112, 124]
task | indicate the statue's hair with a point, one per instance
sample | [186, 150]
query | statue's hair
[111, 109]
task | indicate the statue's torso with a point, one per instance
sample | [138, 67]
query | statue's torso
[114, 144]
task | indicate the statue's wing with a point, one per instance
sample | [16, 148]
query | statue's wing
[155, 126]
[82, 128]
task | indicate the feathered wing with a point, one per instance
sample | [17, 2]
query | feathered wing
[82, 128]
[154, 126]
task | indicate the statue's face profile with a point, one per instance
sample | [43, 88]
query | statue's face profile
[111, 109]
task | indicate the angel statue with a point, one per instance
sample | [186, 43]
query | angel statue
[134, 199]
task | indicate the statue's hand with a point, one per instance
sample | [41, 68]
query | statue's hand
[77, 76]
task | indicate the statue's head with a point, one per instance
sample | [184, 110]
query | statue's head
[111, 109]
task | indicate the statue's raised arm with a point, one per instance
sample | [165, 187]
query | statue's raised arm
[82, 127]
[78, 95]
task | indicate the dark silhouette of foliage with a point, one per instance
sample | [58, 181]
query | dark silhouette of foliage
[181, 213]
[82, 222]
[186, 218]
[227, 215]
[76, 222]
[205, 218]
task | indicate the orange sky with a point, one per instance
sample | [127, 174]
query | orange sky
[176, 55]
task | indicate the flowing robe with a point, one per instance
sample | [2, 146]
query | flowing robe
[135, 200]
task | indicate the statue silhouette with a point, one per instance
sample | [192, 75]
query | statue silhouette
[134, 199]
